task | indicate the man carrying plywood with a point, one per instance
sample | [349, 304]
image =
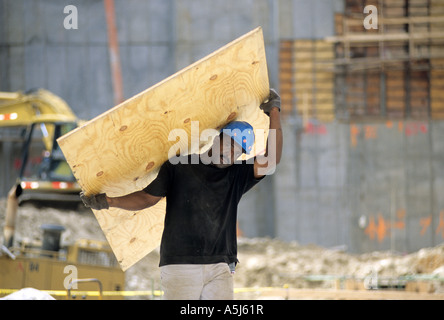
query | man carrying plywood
[199, 246]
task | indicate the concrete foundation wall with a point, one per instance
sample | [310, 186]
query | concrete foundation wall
[368, 186]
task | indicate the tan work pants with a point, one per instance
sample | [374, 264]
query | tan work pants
[197, 281]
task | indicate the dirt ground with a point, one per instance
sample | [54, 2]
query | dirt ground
[263, 262]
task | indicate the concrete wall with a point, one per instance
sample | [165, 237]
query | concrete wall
[367, 186]
[37, 51]
[156, 37]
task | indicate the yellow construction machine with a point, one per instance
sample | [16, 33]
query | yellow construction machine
[41, 117]
[84, 270]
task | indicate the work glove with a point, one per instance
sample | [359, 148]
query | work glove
[274, 100]
[96, 202]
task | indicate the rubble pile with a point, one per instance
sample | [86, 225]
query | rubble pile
[271, 262]
[263, 262]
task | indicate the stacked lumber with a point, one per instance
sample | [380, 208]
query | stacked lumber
[395, 92]
[362, 87]
[418, 89]
[394, 71]
[437, 93]
[373, 92]
[397, 70]
[437, 64]
[303, 77]
[355, 92]
[286, 76]
[314, 79]
[307, 78]
[395, 75]
[324, 80]
[363, 93]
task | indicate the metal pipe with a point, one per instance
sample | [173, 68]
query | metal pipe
[114, 55]
[75, 281]
[11, 214]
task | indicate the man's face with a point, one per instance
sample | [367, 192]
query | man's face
[229, 151]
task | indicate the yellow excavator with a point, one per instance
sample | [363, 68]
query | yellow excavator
[44, 175]
[42, 117]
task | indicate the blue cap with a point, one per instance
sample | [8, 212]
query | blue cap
[242, 133]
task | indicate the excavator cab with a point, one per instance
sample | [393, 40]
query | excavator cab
[44, 175]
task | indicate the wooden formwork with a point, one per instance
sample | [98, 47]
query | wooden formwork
[396, 70]
[307, 78]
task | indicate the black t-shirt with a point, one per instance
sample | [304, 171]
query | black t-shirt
[201, 210]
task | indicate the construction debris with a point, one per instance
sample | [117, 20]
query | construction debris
[273, 263]
[264, 262]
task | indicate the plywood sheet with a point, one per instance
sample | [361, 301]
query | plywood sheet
[121, 151]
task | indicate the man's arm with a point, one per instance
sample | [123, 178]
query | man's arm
[135, 201]
[267, 163]
[138, 200]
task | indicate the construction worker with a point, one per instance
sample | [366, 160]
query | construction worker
[198, 249]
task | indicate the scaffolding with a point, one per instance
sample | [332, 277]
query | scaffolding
[393, 72]
[415, 39]
[396, 70]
